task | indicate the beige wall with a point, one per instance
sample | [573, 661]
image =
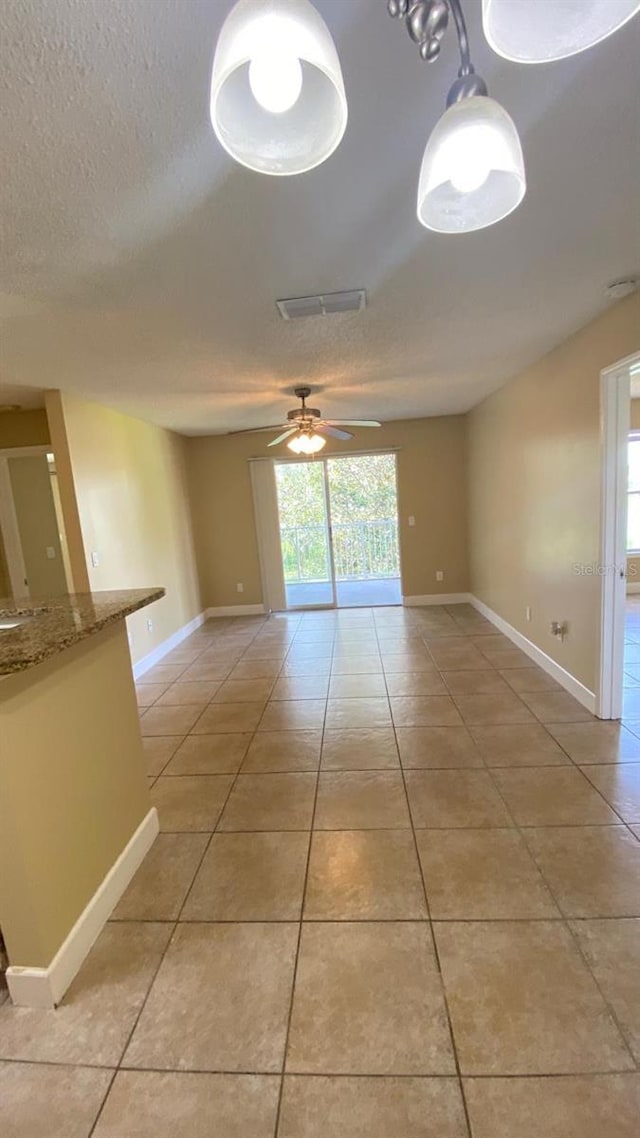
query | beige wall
[431, 487]
[534, 490]
[24, 429]
[37, 525]
[128, 480]
[72, 789]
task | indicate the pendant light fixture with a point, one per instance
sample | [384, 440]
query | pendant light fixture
[472, 172]
[278, 103]
[535, 31]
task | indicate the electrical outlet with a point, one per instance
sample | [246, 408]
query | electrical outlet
[95, 559]
[412, 520]
[50, 552]
[240, 587]
[439, 575]
[527, 613]
[149, 625]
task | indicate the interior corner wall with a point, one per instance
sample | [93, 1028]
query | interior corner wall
[534, 491]
[431, 488]
[130, 485]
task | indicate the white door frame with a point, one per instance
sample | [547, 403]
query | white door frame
[615, 400]
[327, 514]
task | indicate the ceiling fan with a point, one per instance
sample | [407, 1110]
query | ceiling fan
[306, 429]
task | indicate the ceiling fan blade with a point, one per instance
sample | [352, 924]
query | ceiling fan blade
[258, 430]
[281, 438]
[353, 422]
[333, 432]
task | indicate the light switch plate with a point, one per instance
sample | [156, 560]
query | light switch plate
[95, 560]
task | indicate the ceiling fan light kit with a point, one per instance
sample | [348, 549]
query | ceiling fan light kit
[308, 442]
[278, 103]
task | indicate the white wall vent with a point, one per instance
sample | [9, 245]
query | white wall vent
[326, 304]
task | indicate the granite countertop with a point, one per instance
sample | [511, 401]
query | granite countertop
[55, 623]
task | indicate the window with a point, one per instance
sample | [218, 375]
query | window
[633, 494]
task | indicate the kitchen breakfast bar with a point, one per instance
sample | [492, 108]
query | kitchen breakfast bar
[75, 815]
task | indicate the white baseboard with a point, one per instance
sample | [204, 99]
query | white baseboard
[437, 599]
[634, 587]
[167, 646]
[575, 688]
[45, 987]
[235, 610]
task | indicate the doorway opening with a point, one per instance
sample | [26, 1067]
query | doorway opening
[34, 559]
[338, 522]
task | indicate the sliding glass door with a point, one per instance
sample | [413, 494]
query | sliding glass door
[303, 509]
[364, 529]
[339, 531]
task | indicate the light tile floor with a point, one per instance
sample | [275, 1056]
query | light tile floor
[397, 891]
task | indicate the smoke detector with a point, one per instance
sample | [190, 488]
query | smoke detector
[621, 288]
[325, 304]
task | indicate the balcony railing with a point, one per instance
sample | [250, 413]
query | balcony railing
[363, 551]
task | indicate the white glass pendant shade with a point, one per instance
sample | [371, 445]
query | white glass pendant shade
[307, 444]
[538, 31]
[473, 171]
[278, 103]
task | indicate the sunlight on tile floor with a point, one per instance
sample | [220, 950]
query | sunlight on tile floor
[396, 892]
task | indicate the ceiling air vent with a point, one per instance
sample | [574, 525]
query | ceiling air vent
[326, 304]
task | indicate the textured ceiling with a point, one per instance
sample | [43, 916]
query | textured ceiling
[140, 266]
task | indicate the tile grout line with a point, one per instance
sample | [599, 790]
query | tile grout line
[285, 770]
[366, 920]
[156, 971]
[300, 928]
[566, 921]
[148, 991]
[225, 1071]
[429, 922]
